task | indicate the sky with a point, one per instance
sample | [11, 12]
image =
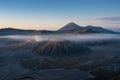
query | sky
[53, 14]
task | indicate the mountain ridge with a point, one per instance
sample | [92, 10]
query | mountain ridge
[70, 28]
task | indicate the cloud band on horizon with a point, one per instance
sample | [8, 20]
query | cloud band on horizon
[109, 18]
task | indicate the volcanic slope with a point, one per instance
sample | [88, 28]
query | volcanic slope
[60, 48]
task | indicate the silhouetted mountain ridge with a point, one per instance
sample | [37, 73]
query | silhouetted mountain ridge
[71, 28]
[98, 29]
[14, 31]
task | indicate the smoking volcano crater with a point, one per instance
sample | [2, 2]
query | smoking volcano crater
[60, 48]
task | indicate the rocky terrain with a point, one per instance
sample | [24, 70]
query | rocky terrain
[71, 53]
[60, 48]
[59, 60]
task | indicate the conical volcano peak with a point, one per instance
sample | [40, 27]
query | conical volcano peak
[70, 27]
[72, 24]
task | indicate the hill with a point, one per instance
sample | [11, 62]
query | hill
[70, 28]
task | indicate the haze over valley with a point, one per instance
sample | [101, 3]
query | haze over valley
[71, 50]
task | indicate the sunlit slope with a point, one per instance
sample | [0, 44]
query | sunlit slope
[60, 48]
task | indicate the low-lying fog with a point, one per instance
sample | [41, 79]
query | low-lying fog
[18, 55]
[83, 37]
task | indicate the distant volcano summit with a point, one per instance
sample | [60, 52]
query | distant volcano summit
[74, 28]
[71, 27]
[60, 48]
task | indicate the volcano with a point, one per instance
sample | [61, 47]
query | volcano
[60, 48]
[71, 27]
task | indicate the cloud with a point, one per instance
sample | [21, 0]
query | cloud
[109, 18]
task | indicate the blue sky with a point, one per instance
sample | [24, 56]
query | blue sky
[52, 14]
